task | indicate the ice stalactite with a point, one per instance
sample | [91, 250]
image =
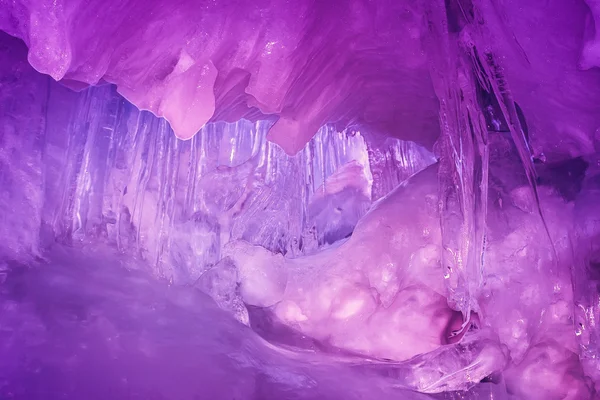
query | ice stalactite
[307, 63]
[478, 114]
[585, 273]
[464, 158]
[474, 101]
[478, 273]
[127, 179]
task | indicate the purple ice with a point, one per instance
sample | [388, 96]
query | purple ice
[351, 199]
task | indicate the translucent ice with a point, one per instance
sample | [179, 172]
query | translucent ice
[308, 63]
[21, 153]
[85, 327]
[308, 204]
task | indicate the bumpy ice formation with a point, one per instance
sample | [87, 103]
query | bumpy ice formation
[402, 195]
[306, 62]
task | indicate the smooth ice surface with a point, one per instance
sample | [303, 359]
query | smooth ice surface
[306, 62]
[90, 325]
[21, 171]
[309, 63]
[290, 206]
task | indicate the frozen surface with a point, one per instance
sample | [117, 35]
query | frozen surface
[177, 204]
[92, 325]
[90, 166]
[382, 293]
[308, 63]
[305, 240]
[316, 62]
[547, 56]
[21, 152]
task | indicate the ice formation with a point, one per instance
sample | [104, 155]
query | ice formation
[344, 199]
[305, 62]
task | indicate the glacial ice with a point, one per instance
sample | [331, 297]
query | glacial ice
[87, 328]
[382, 199]
[361, 62]
[200, 60]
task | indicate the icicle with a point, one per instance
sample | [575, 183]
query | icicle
[499, 87]
[177, 203]
[463, 164]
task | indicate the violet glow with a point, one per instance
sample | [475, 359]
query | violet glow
[344, 199]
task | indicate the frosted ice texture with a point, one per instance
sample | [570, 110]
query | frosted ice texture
[515, 257]
[200, 61]
[313, 63]
[21, 152]
[84, 327]
[127, 180]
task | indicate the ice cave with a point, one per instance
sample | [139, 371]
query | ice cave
[299, 199]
